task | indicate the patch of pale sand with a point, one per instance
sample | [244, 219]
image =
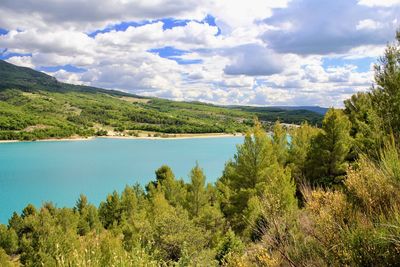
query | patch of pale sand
[127, 137]
[134, 99]
[174, 136]
[36, 127]
[51, 139]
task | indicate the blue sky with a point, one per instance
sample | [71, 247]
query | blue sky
[255, 52]
[3, 31]
[6, 54]
[168, 23]
[363, 64]
[172, 53]
[67, 68]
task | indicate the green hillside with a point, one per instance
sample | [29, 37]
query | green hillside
[34, 105]
[284, 114]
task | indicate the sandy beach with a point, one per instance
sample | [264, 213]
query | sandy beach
[51, 140]
[143, 137]
[174, 136]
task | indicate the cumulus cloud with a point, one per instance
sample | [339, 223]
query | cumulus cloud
[60, 42]
[193, 35]
[253, 60]
[334, 26]
[85, 14]
[24, 61]
[385, 3]
[255, 52]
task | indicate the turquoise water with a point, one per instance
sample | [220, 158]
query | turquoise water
[35, 172]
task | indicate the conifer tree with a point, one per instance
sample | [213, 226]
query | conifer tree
[246, 175]
[110, 211]
[299, 148]
[366, 124]
[386, 93]
[173, 189]
[326, 163]
[197, 195]
[81, 203]
[256, 176]
[280, 143]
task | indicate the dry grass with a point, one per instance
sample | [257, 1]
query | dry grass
[36, 127]
[134, 99]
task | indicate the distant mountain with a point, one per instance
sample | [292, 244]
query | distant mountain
[317, 109]
[283, 114]
[26, 79]
[34, 105]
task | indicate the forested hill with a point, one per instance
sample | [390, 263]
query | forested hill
[30, 80]
[34, 105]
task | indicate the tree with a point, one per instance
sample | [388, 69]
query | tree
[366, 124]
[110, 212]
[28, 211]
[164, 173]
[197, 196]
[280, 143]
[8, 239]
[129, 201]
[81, 203]
[299, 148]
[386, 93]
[256, 184]
[326, 162]
[278, 199]
[246, 176]
[88, 217]
[173, 231]
[228, 247]
[174, 190]
[16, 223]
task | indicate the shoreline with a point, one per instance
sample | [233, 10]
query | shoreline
[173, 136]
[50, 140]
[169, 137]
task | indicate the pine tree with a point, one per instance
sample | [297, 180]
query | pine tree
[386, 93]
[326, 163]
[280, 143]
[110, 211]
[129, 201]
[366, 125]
[197, 195]
[16, 223]
[81, 203]
[299, 148]
[247, 175]
[29, 210]
[173, 189]
[252, 160]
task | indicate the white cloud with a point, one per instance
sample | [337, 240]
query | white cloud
[385, 3]
[89, 14]
[253, 60]
[61, 42]
[334, 26]
[237, 14]
[67, 77]
[368, 24]
[262, 52]
[24, 61]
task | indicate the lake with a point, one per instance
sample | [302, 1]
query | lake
[59, 171]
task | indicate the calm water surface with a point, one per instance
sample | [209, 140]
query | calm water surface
[34, 172]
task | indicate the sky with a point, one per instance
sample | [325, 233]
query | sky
[253, 52]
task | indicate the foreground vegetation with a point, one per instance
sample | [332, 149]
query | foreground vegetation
[330, 197]
[34, 105]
